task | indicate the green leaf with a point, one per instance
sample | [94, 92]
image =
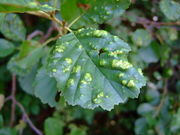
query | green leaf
[145, 109]
[91, 69]
[8, 131]
[147, 51]
[92, 11]
[26, 82]
[6, 47]
[12, 27]
[141, 37]
[141, 126]
[77, 130]
[171, 9]
[175, 122]
[45, 87]
[21, 6]
[29, 55]
[53, 126]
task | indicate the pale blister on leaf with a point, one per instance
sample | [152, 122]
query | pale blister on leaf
[91, 69]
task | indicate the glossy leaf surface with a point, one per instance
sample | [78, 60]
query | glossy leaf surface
[91, 69]
[92, 11]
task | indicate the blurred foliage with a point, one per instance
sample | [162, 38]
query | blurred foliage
[150, 27]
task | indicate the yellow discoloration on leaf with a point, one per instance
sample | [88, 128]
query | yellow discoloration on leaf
[70, 82]
[68, 60]
[88, 77]
[77, 69]
[60, 49]
[124, 82]
[140, 71]
[121, 75]
[121, 64]
[131, 83]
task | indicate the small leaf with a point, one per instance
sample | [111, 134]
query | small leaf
[45, 87]
[171, 9]
[8, 131]
[92, 11]
[145, 109]
[141, 126]
[91, 69]
[6, 47]
[77, 130]
[29, 55]
[26, 82]
[12, 27]
[53, 126]
[141, 37]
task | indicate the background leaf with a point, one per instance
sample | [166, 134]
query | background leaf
[53, 126]
[12, 27]
[21, 6]
[6, 47]
[29, 55]
[171, 9]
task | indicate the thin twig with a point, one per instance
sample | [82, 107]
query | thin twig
[50, 40]
[27, 119]
[145, 22]
[34, 34]
[52, 28]
[13, 105]
[158, 108]
[50, 17]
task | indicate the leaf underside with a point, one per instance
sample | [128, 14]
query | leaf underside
[91, 69]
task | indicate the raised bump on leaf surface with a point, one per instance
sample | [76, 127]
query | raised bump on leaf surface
[94, 79]
[121, 64]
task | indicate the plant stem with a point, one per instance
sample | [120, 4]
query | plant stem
[13, 105]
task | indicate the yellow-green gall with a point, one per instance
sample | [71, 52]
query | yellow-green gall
[68, 60]
[60, 49]
[100, 33]
[76, 69]
[102, 62]
[121, 64]
[88, 77]
[121, 75]
[101, 94]
[124, 82]
[70, 82]
[54, 70]
[131, 83]
[140, 71]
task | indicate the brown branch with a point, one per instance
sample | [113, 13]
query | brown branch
[51, 29]
[34, 34]
[148, 23]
